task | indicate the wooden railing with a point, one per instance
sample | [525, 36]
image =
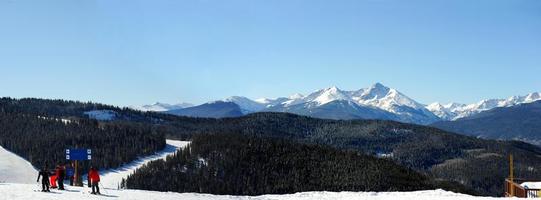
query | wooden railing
[514, 189]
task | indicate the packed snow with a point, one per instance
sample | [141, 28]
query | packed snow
[14, 169]
[112, 178]
[531, 185]
[29, 191]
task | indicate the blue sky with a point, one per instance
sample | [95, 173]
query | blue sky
[131, 52]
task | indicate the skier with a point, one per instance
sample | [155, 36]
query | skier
[60, 175]
[94, 178]
[44, 174]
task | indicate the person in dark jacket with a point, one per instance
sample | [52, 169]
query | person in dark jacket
[44, 174]
[60, 175]
[94, 177]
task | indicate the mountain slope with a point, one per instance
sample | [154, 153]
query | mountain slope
[14, 169]
[216, 109]
[407, 109]
[247, 105]
[520, 122]
[339, 109]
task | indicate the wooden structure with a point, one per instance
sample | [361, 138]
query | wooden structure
[514, 189]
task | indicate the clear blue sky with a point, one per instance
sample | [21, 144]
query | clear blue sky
[131, 52]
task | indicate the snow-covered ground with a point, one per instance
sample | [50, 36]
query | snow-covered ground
[112, 178]
[14, 169]
[531, 185]
[28, 191]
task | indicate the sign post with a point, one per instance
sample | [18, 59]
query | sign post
[77, 155]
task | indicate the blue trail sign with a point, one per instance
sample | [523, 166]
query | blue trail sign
[78, 154]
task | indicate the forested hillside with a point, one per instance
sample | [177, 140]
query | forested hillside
[64, 108]
[243, 165]
[43, 140]
[428, 150]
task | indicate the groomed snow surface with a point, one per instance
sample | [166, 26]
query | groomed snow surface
[111, 178]
[28, 191]
[14, 169]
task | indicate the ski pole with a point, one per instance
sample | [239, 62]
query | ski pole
[102, 187]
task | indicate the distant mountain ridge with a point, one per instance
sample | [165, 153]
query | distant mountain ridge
[454, 111]
[375, 102]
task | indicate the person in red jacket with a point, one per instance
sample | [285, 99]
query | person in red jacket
[60, 175]
[94, 177]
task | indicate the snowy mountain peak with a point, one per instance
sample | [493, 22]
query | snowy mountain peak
[247, 105]
[160, 107]
[328, 95]
[378, 85]
[454, 106]
[445, 112]
[376, 91]
[435, 106]
[533, 97]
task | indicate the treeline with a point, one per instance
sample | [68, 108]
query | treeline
[43, 140]
[236, 164]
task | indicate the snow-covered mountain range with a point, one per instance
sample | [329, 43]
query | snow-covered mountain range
[375, 102]
[454, 111]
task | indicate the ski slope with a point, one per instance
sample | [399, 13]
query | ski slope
[28, 191]
[17, 178]
[14, 169]
[111, 178]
